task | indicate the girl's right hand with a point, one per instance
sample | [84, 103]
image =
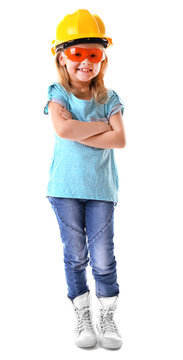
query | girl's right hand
[109, 127]
[65, 113]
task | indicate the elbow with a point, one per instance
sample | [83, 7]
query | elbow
[122, 145]
[122, 142]
[59, 133]
[65, 131]
[59, 127]
[62, 131]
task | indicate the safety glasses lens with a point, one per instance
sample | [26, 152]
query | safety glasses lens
[79, 54]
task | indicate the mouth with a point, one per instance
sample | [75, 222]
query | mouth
[84, 70]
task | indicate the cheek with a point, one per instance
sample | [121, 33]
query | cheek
[72, 66]
[96, 68]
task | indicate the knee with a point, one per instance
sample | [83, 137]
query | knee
[76, 263]
[103, 268]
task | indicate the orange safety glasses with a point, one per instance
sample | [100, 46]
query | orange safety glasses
[79, 54]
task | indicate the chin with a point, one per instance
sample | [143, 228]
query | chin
[85, 77]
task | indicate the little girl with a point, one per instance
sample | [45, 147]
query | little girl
[83, 183]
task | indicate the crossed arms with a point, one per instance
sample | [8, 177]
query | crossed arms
[94, 134]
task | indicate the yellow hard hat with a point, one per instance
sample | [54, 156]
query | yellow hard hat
[80, 27]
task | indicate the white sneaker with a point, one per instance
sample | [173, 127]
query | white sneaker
[109, 335]
[84, 335]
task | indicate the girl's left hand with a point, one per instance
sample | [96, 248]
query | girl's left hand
[65, 113]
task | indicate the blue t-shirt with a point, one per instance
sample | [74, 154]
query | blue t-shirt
[77, 170]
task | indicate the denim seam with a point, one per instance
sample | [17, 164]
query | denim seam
[58, 216]
[66, 223]
[110, 218]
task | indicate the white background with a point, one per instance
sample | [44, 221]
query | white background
[145, 69]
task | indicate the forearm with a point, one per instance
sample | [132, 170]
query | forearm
[108, 140]
[79, 130]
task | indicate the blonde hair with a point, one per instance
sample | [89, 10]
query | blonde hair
[97, 87]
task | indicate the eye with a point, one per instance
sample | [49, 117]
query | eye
[93, 55]
[78, 54]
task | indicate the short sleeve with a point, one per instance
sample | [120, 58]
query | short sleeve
[114, 104]
[58, 94]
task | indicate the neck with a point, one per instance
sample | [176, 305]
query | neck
[82, 89]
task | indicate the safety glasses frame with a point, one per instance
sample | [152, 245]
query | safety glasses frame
[77, 54]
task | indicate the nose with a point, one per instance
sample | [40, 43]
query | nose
[86, 60]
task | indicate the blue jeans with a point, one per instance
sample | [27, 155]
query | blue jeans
[86, 229]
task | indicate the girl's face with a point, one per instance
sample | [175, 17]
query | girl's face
[83, 71]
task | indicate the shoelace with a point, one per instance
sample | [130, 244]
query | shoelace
[107, 322]
[84, 321]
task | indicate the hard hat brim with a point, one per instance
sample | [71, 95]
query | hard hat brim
[105, 41]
